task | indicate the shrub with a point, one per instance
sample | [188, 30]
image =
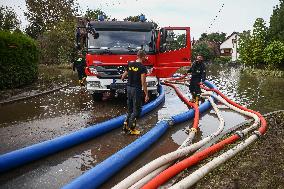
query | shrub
[274, 54]
[222, 59]
[19, 58]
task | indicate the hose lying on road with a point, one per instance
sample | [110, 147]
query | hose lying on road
[31, 153]
[192, 160]
[147, 172]
[196, 114]
[103, 171]
[201, 172]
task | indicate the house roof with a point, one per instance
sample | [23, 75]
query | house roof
[231, 35]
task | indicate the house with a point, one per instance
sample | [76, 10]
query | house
[229, 46]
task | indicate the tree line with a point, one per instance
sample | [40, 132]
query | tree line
[264, 45]
[52, 24]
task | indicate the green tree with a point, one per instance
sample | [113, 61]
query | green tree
[203, 49]
[215, 39]
[274, 54]
[132, 18]
[245, 47]
[251, 46]
[276, 28]
[57, 45]
[259, 41]
[93, 14]
[8, 19]
[43, 15]
[137, 19]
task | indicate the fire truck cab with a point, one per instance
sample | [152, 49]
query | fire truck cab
[112, 44]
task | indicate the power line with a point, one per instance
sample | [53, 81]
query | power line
[215, 18]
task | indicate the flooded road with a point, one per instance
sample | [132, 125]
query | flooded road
[70, 109]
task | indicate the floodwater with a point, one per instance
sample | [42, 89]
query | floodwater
[28, 122]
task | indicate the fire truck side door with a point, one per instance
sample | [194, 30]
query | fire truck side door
[174, 50]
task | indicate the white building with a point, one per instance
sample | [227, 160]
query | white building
[230, 45]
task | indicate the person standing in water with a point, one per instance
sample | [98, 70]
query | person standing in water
[136, 85]
[198, 74]
[79, 64]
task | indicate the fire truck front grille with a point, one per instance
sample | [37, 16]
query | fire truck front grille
[110, 72]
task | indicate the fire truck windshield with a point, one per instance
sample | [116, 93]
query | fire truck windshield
[123, 41]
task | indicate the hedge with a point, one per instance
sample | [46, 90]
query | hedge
[19, 56]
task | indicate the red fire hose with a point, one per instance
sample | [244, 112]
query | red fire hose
[263, 126]
[197, 157]
[188, 103]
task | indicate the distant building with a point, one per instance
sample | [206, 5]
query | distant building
[229, 46]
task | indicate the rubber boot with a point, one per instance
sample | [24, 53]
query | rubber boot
[81, 82]
[125, 127]
[134, 131]
[197, 100]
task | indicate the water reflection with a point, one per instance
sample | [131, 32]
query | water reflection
[112, 142]
[264, 94]
[71, 109]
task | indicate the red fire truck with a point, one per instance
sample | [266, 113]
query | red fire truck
[111, 44]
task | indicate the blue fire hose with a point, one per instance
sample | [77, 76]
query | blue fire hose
[106, 169]
[31, 153]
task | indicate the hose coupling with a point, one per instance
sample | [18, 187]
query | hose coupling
[240, 134]
[170, 121]
[257, 133]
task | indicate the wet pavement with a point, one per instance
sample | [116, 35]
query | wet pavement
[70, 109]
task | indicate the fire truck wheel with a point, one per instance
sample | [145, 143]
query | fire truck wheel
[97, 96]
[152, 96]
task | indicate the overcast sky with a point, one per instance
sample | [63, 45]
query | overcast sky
[236, 15]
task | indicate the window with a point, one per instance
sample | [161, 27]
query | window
[126, 40]
[175, 39]
[227, 50]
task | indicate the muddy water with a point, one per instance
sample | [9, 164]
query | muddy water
[70, 109]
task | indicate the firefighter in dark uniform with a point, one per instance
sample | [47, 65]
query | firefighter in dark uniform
[79, 64]
[198, 74]
[136, 84]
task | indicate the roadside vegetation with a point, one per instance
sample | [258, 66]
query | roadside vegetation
[51, 36]
[208, 45]
[263, 47]
[19, 60]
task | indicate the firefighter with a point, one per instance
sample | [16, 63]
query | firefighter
[79, 64]
[136, 84]
[198, 74]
